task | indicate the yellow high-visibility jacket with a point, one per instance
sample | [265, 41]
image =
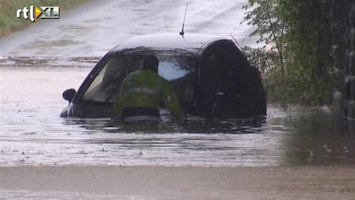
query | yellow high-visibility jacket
[145, 88]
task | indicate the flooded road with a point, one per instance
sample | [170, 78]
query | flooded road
[95, 27]
[300, 153]
[32, 133]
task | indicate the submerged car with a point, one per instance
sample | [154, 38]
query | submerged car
[210, 75]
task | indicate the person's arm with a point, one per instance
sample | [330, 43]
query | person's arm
[119, 102]
[172, 102]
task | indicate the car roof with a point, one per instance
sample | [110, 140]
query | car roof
[190, 41]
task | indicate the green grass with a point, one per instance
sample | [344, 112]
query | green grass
[10, 23]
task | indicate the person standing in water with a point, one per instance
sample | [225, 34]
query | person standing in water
[143, 92]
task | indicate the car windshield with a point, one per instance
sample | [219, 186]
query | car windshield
[106, 83]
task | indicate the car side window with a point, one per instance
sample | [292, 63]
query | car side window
[179, 71]
[106, 84]
[171, 70]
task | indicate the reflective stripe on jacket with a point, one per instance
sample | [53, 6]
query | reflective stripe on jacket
[145, 88]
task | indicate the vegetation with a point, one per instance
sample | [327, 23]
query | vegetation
[297, 65]
[10, 23]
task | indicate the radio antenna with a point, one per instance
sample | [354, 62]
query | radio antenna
[183, 23]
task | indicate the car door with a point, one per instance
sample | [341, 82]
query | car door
[247, 97]
[220, 84]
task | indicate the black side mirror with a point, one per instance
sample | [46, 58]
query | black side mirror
[69, 94]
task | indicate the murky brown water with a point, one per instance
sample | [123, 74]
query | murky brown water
[32, 133]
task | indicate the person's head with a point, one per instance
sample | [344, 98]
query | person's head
[151, 62]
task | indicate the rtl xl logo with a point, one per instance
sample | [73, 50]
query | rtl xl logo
[42, 12]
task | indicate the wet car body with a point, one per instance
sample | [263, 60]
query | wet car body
[211, 76]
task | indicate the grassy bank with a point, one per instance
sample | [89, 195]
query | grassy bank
[10, 23]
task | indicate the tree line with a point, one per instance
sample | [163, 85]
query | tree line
[295, 56]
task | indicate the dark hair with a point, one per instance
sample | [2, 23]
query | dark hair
[151, 62]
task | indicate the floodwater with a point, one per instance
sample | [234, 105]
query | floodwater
[32, 133]
[39, 63]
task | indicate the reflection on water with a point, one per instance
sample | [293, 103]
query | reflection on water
[193, 142]
[33, 134]
[191, 124]
[319, 138]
